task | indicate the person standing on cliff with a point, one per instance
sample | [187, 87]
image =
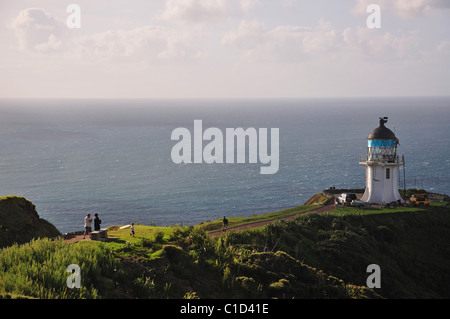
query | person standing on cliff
[97, 222]
[87, 225]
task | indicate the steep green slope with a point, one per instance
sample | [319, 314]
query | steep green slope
[312, 256]
[19, 222]
[411, 248]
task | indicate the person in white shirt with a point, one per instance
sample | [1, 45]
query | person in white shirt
[87, 225]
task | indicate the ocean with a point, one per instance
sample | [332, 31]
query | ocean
[113, 157]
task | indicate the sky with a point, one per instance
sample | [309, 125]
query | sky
[224, 49]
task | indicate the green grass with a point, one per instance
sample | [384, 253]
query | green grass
[312, 256]
[373, 210]
[38, 269]
[147, 241]
[236, 221]
[409, 244]
[141, 232]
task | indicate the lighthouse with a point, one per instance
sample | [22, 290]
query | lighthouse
[382, 166]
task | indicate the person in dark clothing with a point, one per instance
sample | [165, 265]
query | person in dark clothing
[225, 224]
[97, 222]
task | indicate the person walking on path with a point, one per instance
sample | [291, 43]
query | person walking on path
[87, 225]
[336, 203]
[225, 224]
[97, 222]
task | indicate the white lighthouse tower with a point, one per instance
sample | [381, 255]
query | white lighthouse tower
[382, 166]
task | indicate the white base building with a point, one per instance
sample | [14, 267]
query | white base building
[382, 166]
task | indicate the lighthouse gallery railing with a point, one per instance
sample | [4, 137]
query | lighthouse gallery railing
[381, 158]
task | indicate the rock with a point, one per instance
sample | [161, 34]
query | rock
[20, 222]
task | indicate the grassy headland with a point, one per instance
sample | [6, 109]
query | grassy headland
[312, 256]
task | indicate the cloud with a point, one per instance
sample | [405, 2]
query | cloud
[247, 5]
[380, 47]
[288, 3]
[287, 43]
[36, 30]
[405, 9]
[149, 43]
[249, 34]
[203, 12]
[297, 44]
[195, 11]
[321, 39]
[443, 47]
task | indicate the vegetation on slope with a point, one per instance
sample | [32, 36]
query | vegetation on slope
[412, 248]
[38, 269]
[236, 221]
[312, 256]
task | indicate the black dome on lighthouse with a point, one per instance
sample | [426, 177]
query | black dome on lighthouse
[382, 132]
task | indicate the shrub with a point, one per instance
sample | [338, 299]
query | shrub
[159, 235]
[191, 295]
[39, 269]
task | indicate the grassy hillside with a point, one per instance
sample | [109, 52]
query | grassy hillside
[236, 221]
[312, 256]
[38, 269]
[20, 223]
[411, 247]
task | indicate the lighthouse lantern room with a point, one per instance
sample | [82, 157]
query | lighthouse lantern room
[382, 166]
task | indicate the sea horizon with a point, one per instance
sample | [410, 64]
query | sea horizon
[113, 156]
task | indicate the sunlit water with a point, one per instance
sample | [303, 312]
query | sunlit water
[113, 157]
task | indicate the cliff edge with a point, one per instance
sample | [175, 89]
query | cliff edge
[20, 223]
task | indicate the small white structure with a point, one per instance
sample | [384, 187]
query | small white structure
[382, 166]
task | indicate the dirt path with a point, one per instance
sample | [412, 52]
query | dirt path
[321, 209]
[76, 238]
